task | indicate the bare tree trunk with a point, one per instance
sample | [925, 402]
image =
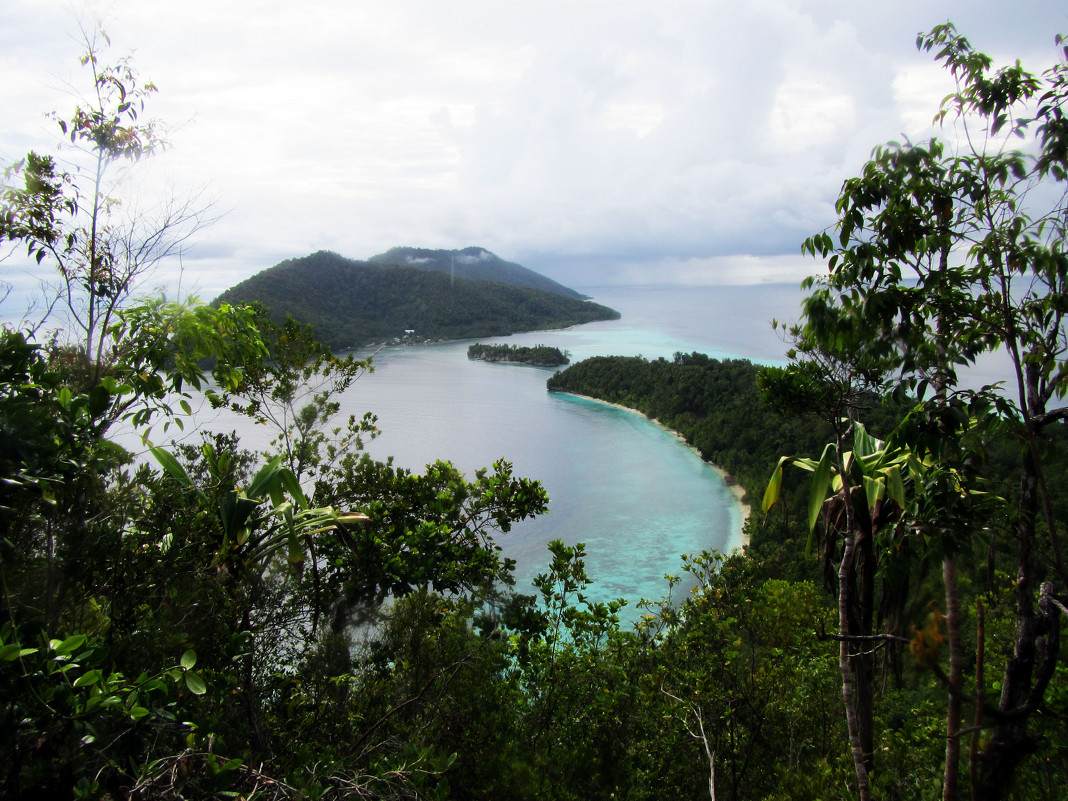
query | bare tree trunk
[861, 627]
[856, 699]
[1029, 670]
[954, 706]
[956, 679]
[980, 695]
[699, 734]
[710, 755]
[861, 758]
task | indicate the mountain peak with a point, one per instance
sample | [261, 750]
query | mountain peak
[475, 263]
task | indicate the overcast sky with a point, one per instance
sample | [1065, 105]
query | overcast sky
[623, 141]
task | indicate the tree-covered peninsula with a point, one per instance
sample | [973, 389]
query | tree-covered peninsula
[353, 303]
[538, 355]
[746, 419]
[714, 405]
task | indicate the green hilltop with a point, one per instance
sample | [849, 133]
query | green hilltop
[352, 303]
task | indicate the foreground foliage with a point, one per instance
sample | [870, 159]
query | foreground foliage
[943, 253]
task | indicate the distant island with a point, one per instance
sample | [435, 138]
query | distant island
[538, 356]
[352, 304]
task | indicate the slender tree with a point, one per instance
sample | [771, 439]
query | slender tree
[946, 252]
[73, 214]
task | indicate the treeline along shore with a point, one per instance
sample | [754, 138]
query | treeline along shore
[537, 355]
[715, 406]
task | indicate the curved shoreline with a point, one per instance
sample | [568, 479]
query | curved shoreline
[743, 508]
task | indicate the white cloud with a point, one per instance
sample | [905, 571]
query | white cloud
[482, 255]
[725, 270]
[918, 91]
[807, 114]
[640, 118]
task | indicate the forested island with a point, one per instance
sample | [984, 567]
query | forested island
[351, 303]
[538, 355]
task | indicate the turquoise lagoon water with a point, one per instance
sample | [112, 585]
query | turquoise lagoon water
[630, 490]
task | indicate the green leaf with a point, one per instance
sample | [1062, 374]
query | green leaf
[292, 485]
[771, 494]
[88, 679]
[156, 685]
[864, 444]
[264, 477]
[99, 400]
[195, 683]
[296, 548]
[189, 659]
[67, 646]
[895, 486]
[138, 712]
[235, 510]
[171, 466]
[12, 651]
[873, 490]
[817, 492]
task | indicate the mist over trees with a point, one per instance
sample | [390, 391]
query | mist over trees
[476, 264]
